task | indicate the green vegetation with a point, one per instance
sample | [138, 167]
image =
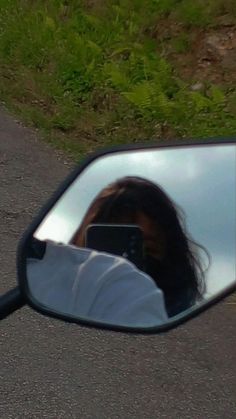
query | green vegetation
[93, 73]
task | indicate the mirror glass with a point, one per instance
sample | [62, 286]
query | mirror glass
[140, 237]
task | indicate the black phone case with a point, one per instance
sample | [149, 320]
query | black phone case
[117, 239]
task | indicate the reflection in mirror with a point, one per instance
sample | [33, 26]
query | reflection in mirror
[155, 241]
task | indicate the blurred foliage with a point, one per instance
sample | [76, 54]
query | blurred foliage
[64, 62]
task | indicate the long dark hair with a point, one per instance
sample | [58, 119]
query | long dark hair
[179, 274]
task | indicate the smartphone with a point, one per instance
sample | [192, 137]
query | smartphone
[118, 239]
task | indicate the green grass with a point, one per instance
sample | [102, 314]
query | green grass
[90, 74]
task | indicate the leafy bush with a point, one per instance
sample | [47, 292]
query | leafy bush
[96, 59]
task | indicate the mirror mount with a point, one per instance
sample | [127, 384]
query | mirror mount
[11, 301]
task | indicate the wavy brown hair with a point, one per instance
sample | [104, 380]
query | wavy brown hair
[179, 274]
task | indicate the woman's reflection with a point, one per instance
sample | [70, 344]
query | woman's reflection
[171, 257]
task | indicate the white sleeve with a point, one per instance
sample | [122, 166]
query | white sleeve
[96, 286]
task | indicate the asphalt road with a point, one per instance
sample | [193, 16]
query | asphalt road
[50, 369]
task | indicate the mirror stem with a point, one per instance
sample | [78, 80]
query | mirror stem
[10, 302]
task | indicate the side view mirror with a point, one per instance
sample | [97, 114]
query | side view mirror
[138, 238]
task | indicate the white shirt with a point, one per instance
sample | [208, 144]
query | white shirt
[96, 286]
